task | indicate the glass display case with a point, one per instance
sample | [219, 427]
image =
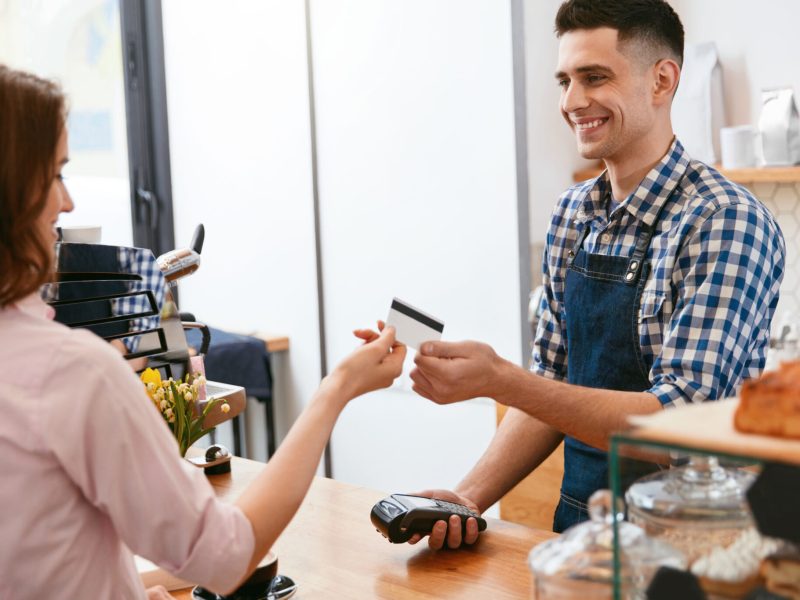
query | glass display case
[729, 501]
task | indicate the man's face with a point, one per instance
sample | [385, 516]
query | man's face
[605, 93]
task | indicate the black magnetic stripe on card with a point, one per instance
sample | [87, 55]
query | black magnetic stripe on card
[417, 316]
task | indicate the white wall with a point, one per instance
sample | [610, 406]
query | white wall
[757, 44]
[417, 187]
[417, 184]
[552, 153]
[241, 163]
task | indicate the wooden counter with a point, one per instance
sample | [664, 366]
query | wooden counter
[331, 550]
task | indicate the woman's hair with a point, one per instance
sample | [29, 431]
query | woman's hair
[32, 117]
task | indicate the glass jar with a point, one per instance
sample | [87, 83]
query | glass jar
[580, 563]
[695, 508]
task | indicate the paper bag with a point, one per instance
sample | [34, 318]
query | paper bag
[779, 125]
[698, 112]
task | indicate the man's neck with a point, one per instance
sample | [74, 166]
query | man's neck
[626, 173]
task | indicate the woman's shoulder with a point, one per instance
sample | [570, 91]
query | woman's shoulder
[37, 350]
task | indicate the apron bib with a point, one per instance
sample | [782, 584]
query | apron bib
[601, 299]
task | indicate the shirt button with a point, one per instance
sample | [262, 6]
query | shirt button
[605, 238]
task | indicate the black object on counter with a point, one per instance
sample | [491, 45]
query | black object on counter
[669, 583]
[216, 461]
[278, 587]
[774, 498]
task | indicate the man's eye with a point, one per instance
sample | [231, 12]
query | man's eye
[595, 78]
[562, 83]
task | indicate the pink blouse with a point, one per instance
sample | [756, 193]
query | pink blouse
[90, 472]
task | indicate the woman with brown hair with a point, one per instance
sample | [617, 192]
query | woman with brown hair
[89, 471]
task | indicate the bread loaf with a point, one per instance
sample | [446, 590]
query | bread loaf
[770, 405]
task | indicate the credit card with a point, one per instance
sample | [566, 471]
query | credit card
[413, 327]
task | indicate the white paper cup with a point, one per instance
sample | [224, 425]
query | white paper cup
[89, 234]
[738, 146]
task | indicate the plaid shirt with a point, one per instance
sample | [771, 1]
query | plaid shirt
[717, 258]
[139, 261]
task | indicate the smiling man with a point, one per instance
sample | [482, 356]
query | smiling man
[661, 276]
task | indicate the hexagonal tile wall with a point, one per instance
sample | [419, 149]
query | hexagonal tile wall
[783, 200]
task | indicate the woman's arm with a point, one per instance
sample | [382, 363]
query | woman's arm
[272, 499]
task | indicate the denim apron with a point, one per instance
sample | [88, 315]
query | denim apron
[601, 299]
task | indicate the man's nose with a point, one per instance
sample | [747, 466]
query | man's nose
[573, 98]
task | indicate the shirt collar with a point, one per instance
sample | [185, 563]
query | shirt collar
[646, 200]
[34, 306]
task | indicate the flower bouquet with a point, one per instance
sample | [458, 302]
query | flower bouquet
[177, 403]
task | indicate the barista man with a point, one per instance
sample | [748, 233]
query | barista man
[661, 276]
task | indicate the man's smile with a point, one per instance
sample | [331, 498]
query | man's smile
[588, 124]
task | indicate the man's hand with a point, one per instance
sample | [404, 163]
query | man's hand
[159, 592]
[449, 534]
[450, 372]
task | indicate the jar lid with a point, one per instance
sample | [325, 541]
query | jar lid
[585, 551]
[702, 492]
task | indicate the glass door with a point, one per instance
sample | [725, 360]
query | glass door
[79, 44]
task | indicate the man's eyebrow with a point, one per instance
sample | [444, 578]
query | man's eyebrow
[588, 69]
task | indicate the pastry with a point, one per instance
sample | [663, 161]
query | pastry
[733, 571]
[770, 405]
[781, 573]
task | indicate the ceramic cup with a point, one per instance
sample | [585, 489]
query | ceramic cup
[88, 234]
[738, 146]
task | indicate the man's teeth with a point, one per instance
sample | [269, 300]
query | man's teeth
[589, 125]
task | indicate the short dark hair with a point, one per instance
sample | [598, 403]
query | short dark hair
[32, 117]
[653, 22]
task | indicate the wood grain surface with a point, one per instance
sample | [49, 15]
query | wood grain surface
[332, 550]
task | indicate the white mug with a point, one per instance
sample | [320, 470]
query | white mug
[738, 146]
[88, 234]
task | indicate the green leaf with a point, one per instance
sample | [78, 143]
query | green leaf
[179, 409]
[209, 405]
[200, 434]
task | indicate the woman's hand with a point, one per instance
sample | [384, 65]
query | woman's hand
[159, 592]
[374, 365]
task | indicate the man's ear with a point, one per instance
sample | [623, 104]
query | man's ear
[667, 74]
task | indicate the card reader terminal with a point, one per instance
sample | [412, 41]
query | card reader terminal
[399, 516]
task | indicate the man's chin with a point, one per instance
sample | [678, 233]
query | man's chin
[591, 151]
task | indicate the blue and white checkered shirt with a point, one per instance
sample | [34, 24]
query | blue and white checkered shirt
[717, 260]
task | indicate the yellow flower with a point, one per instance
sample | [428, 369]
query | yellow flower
[225, 407]
[151, 376]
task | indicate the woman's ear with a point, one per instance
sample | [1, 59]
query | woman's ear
[667, 74]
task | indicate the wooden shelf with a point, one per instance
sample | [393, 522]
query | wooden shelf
[273, 342]
[709, 426]
[753, 175]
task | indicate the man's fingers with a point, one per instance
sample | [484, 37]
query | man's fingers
[421, 385]
[454, 531]
[444, 349]
[414, 538]
[437, 536]
[472, 531]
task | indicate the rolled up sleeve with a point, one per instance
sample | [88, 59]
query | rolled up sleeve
[727, 278]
